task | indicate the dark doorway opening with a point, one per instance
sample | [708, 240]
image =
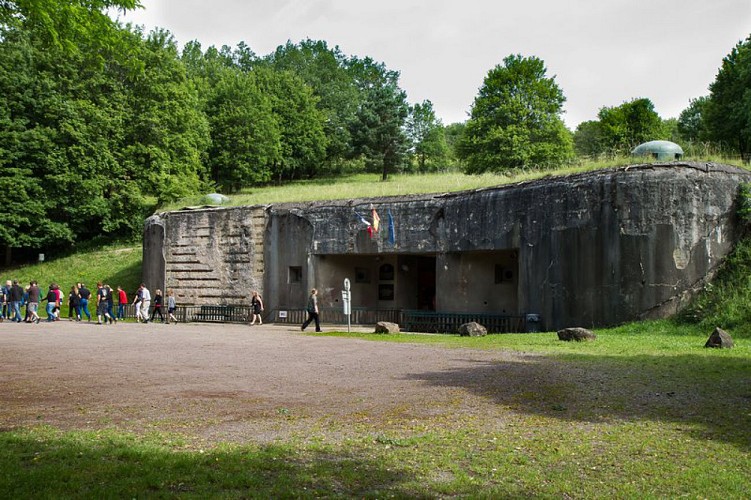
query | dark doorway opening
[426, 283]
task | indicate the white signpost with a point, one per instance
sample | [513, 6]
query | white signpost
[347, 302]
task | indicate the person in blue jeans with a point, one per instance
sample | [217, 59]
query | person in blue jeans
[51, 299]
[16, 296]
[85, 294]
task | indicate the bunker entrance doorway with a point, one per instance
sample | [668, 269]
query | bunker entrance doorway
[426, 283]
[379, 282]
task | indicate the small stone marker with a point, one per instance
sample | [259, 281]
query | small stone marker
[386, 327]
[720, 339]
[472, 329]
[577, 333]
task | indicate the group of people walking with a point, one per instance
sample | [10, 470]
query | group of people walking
[14, 297]
[143, 301]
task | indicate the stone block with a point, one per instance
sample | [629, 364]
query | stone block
[577, 334]
[386, 327]
[472, 329]
[720, 339]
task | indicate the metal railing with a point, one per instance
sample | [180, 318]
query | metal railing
[409, 320]
[359, 316]
[449, 322]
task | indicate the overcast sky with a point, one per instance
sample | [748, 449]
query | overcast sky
[602, 53]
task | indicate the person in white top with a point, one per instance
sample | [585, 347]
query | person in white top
[145, 302]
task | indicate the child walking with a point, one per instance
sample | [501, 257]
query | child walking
[158, 301]
[171, 307]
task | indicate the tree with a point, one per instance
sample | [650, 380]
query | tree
[425, 131]
[63, 23]
[378, 129]
[626, 126]
[302, 145]
[515, 120]
[325, 71]
[86, 146]
[588, 140]
[727, 113]
[166, 133]
[245, 134]
[691, 125]
[453, 133]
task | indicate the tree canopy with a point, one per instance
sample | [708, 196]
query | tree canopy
[516, 119]
[727, 112]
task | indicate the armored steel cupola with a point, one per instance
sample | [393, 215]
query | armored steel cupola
[659, 150]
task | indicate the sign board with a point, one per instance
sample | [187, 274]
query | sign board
[347, 302]
[282, 314]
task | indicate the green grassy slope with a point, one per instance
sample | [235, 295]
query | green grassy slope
[114, 265]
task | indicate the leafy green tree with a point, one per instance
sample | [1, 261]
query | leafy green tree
[628, 125]
[453, 133]
[727, 113]
[588, 139]
[302, 143]
[670, 130]
[85, 145]
[516, 120]
[166, 133]
[691, 125]
[325, 71]
[378, 129]
[245, 134]
[425, 131]
[61, 24]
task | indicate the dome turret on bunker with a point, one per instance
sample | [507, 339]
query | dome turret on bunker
[659, 150]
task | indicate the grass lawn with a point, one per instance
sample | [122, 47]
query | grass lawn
[370, 185]
[644, 411]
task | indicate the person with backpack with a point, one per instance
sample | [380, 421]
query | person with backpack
[101, 305]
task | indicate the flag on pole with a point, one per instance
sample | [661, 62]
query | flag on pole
[362, 219]
[392, 230]
[376, 220]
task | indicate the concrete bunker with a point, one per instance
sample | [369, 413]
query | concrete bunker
[591, 249]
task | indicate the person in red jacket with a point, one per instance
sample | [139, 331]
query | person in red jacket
[122, 301]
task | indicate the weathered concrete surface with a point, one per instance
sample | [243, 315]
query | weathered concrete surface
[591, 249]
[209, 256]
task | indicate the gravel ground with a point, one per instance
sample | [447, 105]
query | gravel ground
[232, 382]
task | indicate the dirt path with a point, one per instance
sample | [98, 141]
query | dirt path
[225, 382]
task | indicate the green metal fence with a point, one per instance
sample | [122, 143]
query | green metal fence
[408, 320]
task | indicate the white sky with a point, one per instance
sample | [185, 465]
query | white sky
[602, 53]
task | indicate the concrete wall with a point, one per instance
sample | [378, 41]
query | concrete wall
[591, 249]
[209, 256]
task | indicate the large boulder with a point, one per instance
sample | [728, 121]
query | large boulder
[577, 333]
[386, 327]
[472, 329]
[720, 339]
